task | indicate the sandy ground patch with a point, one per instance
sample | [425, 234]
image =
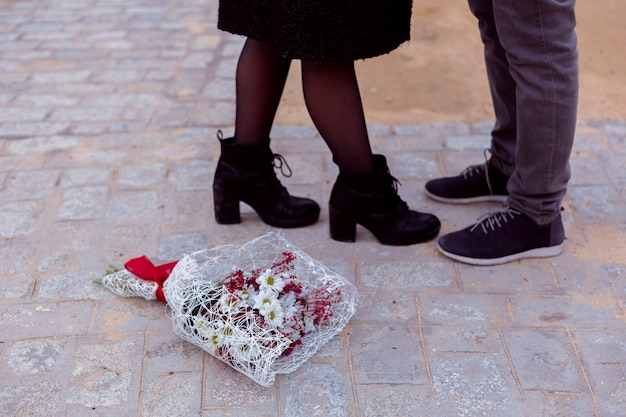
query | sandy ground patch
[440, 74]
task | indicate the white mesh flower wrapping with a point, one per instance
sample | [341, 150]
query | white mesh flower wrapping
[264, 307]
[125, 284]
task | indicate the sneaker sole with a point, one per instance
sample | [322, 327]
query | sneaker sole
[468, 200]
[547, 252]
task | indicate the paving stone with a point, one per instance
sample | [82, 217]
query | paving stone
[172, 376]
[198, 60]
[16, 285]
[61, 76]
[33, 398]
[214, 113]
[413, 165]
[615, 165]
[19, 218]
[39, 357]
[433, 129]
[389, 354]
[590, 141]
[24, 147]
[393, 275]
[176, 245]
[544, 360]
[131, 314]
[115, 141]
[192, 135]
[379, 305]
[65, 245]
[230, 388]
[22, 162]
[105, 372]
[76, 177]
[44, 128]
[121, 243]
[195, 175]
[46, 320]
[220, 89]
[30, 185]
[618, 143]
[82, 203]
[585, 170]
[553, 404]
[133, 207]
[316, 390]
[440, 309]
[86, 158]
[530, 277]
[560, 312]
[612, 128]
[603, 353]
[390, 400]
[185, 210]
[596, 204]
[478, 338]
[16, 256]
[172, 394]
[93, 114]
[470, 141]
[16, 114]
[67, 287]
[473, 384]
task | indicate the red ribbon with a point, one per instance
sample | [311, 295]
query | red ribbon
[143, 268]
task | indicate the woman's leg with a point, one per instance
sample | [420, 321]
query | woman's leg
[261, 75]
[332, 97]
[245, 170]
[365, 193]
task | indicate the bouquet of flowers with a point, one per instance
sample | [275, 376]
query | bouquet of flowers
[264, 307]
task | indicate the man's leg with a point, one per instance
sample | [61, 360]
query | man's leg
[540, 44]
[502, 87]
[487, 182]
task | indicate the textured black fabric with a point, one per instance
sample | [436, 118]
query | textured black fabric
[326, 30]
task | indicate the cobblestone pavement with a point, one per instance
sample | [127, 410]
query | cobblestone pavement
[108, 116]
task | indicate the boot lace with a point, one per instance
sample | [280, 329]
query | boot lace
[280, 162]
[477, 169]
[395, 184]
[493, 220]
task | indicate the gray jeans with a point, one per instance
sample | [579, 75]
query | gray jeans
[532, 66]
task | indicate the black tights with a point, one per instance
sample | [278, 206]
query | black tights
[332, 97]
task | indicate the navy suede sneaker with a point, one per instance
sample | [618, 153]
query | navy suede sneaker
[503, 236]
[476, 184]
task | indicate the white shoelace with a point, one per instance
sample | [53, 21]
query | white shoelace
[495, 219]
[471, 170]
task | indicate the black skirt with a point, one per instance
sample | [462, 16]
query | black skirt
[325, 30]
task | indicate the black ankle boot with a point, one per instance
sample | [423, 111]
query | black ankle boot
[371, 200]
[246, 173]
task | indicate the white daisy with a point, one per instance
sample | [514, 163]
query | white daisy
[248, 351]
[288, 301]
[269, 280]
[264, 297]
[228, 302]
[273, 313]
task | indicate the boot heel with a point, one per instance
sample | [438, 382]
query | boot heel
[342, 227]
[226, 207]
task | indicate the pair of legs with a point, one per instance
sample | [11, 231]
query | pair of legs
[332, 97]
[364, 193]
[532, 67]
